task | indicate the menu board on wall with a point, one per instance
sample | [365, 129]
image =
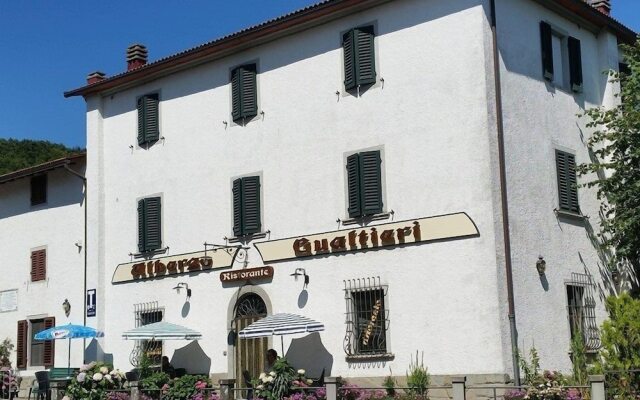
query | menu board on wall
[9, 300]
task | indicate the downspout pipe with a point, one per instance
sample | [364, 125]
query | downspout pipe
[504, 198]
[84, 293]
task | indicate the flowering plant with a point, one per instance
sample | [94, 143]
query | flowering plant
[94, 380]
[283, 382]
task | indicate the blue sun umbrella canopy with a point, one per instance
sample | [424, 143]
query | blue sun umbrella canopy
[162, 331]
[68, 332]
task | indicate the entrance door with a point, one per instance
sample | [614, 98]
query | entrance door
[249, 353]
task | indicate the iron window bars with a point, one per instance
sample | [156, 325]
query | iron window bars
[367, 317]
[145, 314]
[581, 307]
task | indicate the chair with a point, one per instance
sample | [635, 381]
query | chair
[43, 390]
[320, 381]
[247, 383]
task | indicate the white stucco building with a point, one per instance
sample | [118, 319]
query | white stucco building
[42, 247]
[322, 143]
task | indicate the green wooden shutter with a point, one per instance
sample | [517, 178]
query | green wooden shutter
[370, 182]
[140, 107]
[49, 345]
[22, 341]
[567, 182]
[153, 224]
[237, 207]
[151, 118]
[349, 60]
[547, 51]
[141, 226]
[365, 57]
[249, 92]
[251, 205]
[236, 111]
[575, 64]
[353, 182]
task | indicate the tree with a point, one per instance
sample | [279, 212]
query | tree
[619, 356]
[18, 154]
[615, 145]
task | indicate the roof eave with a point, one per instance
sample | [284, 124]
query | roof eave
[40, 168]
[242, 40]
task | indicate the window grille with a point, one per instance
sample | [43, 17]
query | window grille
[367, 317]
[145, 314]
[581, 307]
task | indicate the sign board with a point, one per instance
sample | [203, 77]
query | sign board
[9, 300]
[91, 303]
[248, 274]
[175, 265]
[422, 230]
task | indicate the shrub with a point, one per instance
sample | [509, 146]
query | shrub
[282, 382]
[418, 378]
[6, 347]
[93, 381]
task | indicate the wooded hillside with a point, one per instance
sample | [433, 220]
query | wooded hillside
[18, 154]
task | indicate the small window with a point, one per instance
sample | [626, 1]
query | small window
[367, 317]
[38, 265]
[359, 57]
[149, 224]
[567, 182]
[38, 189]
[41, 352]
[561, 58]
[149, 313]
[364, 181]
[244, 93]
[246, 206]
[581, 308]
[148, 117]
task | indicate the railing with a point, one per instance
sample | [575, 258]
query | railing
[623, 384]
[334, 390]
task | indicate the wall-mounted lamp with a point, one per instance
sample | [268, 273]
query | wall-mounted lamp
[301, 272]
[541, 265]
[66, 306]
[183, 285]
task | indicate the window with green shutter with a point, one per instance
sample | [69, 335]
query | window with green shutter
[359, 57]
[244, 92]
[567, 182]
[148, 119]
[246, 206]
[364, 181]
[149, 224]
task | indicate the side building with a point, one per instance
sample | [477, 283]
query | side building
[43, 261]
[377, 166]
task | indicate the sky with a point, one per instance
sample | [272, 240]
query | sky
[48, 47]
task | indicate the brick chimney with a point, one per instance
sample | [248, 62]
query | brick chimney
[136, 56]
[95, 77]
[604, 6]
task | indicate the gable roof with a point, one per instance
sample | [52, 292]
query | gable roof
[44, 167]
[287, 24]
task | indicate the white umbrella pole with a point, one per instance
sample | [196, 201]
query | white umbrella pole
[69, 360]
[282, 345]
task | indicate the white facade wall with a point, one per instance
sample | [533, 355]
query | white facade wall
[56, 225]
[433, 117]
[443, 297]
[540, 118]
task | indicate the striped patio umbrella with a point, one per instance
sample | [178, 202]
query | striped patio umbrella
[162, 331]
[280, 325]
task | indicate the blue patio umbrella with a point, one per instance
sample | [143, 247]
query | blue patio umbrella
[68, 332]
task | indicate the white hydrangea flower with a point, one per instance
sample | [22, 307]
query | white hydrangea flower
[262, 375]
[97, 377]
[259, 387]
[301, 372]
[309, 381]
[270, 379]
[104, 370]
[108, 377]
[272, 373]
